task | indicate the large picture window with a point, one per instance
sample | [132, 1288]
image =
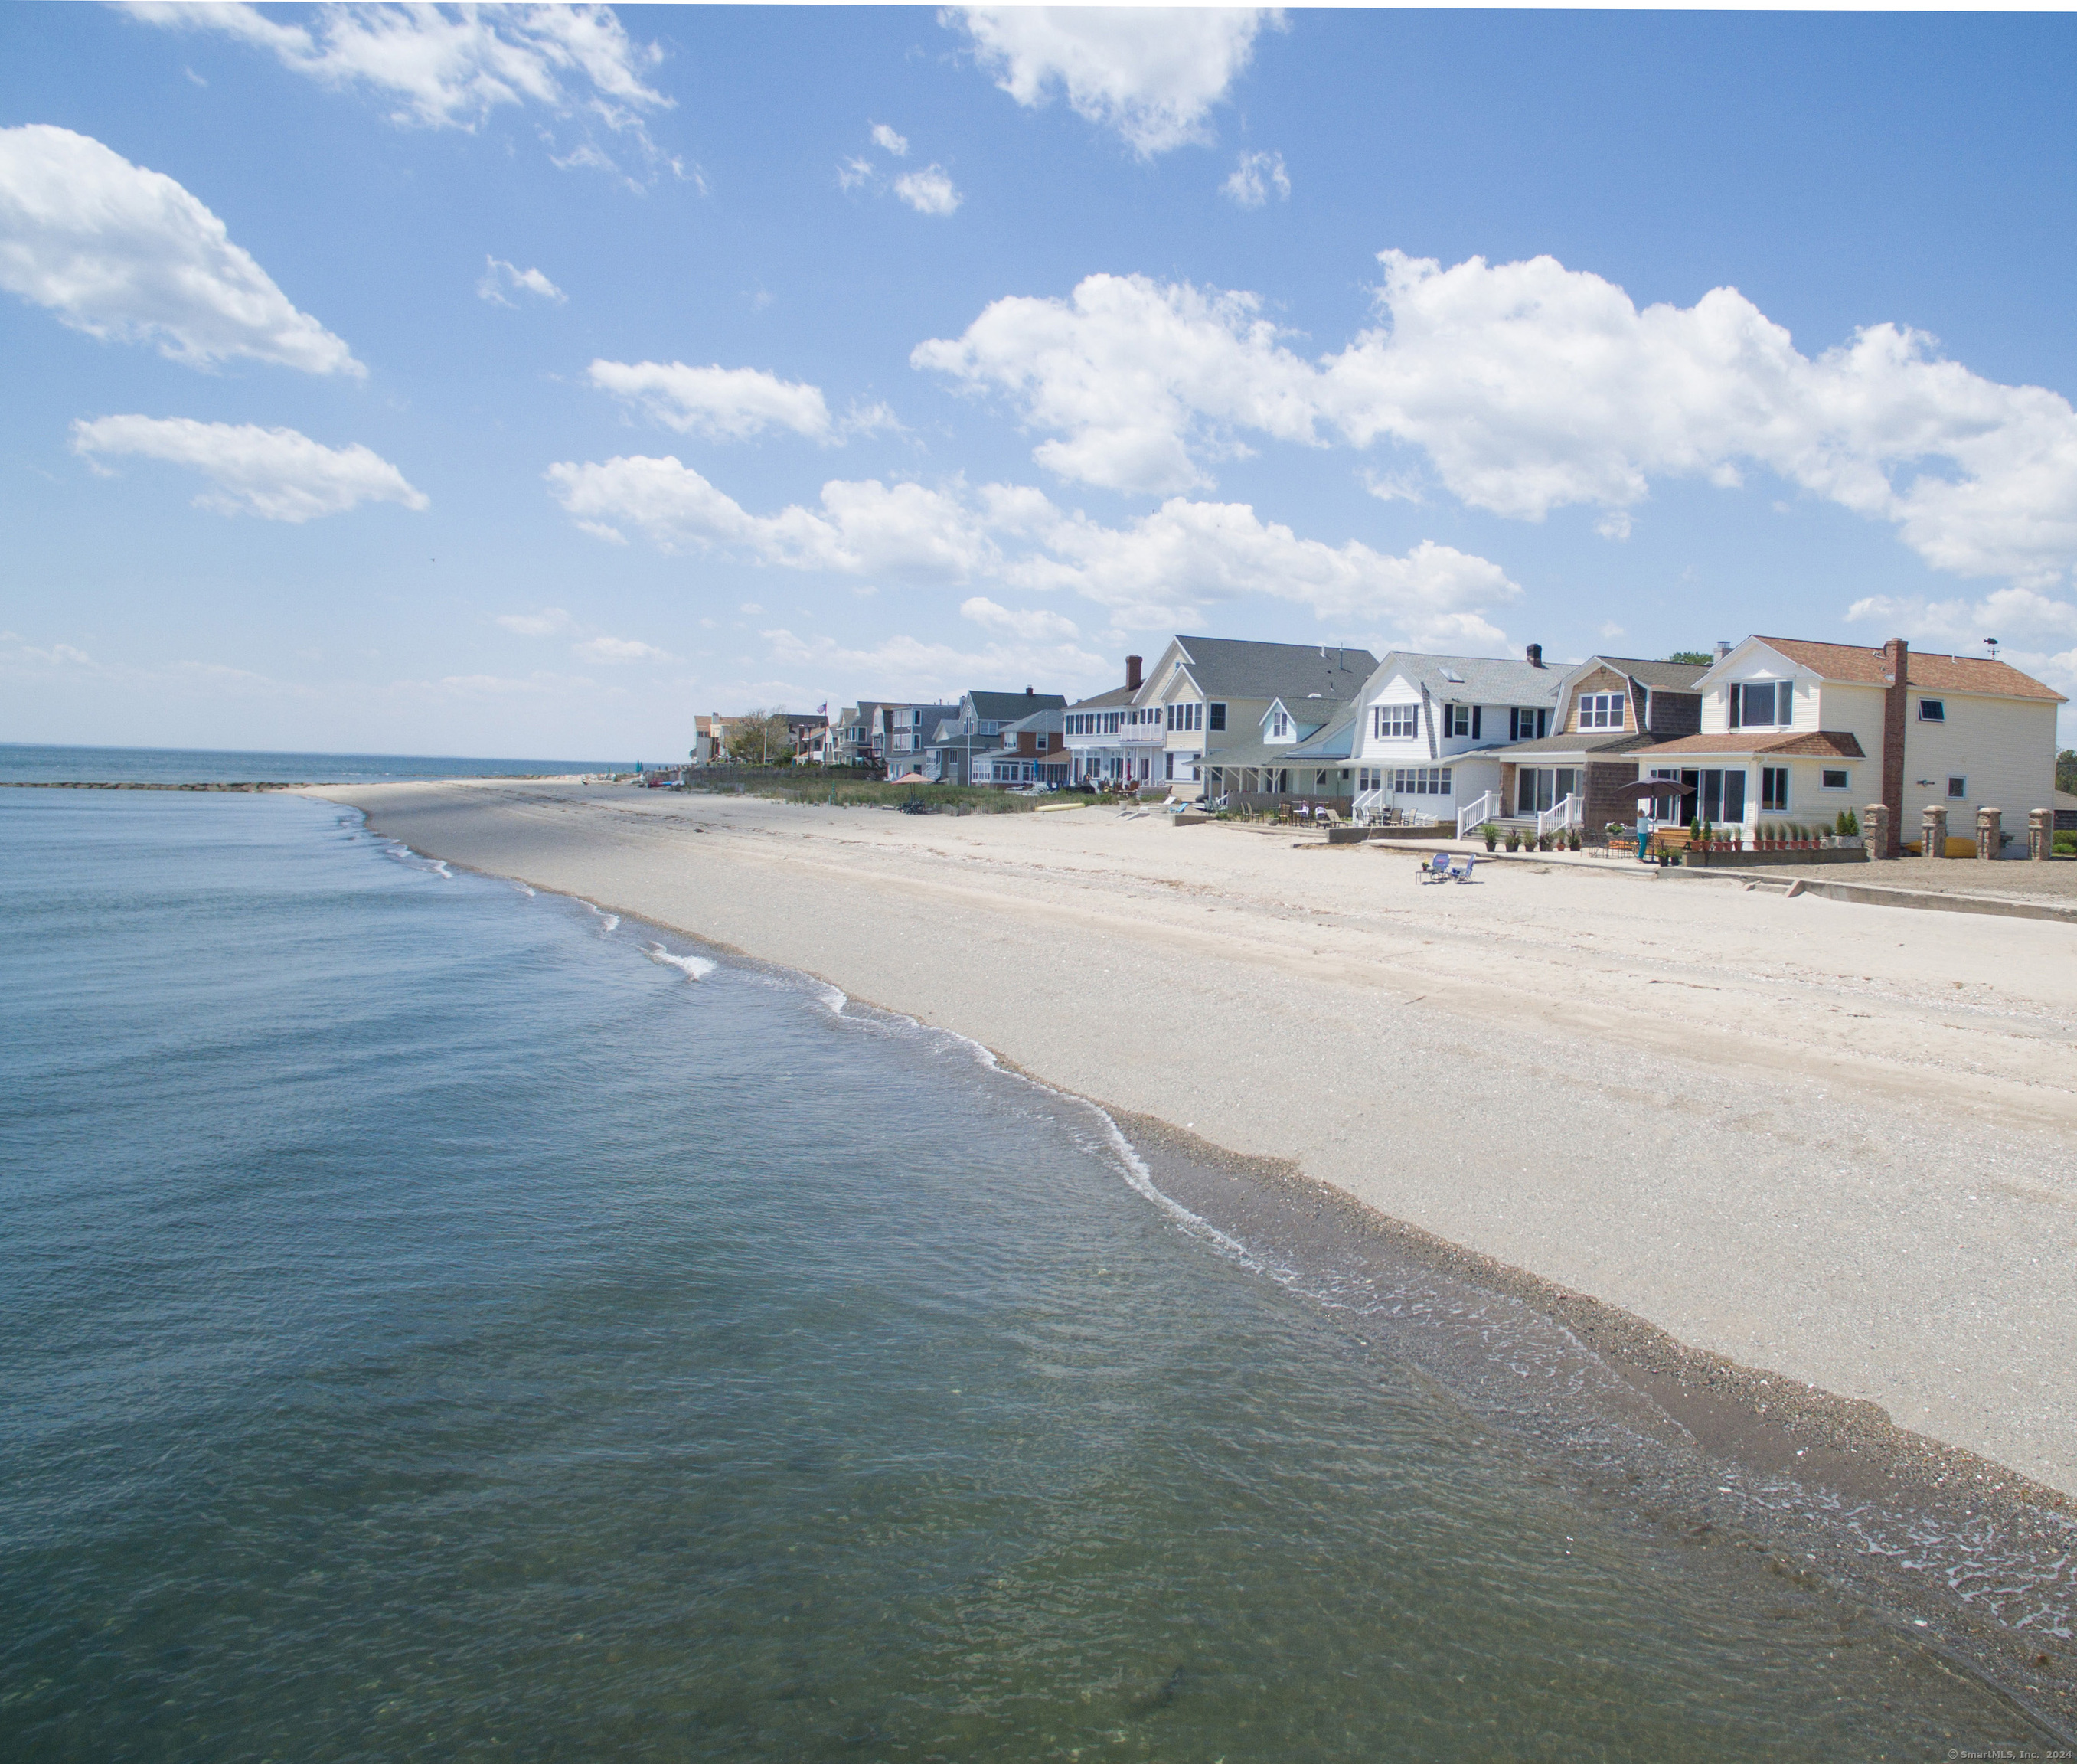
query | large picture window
[1601, 710]
[1762, 704]
[1396, 722]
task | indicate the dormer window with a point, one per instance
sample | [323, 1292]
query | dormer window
[1601, 710]
[1280, 726]
[1932, 710]
[1396, 722]
[1762, 704]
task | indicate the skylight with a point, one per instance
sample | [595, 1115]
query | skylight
[1453, 677]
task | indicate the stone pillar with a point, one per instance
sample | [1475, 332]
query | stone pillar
[1875, 831]
[1934, 835]
[1987, 832]
[2040, 833]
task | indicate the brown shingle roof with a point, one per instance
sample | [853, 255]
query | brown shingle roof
[1827, 743]
[1933, 673]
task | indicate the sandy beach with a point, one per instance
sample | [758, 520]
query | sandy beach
[1835, 1143]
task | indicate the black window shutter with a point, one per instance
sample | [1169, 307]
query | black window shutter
[1475, 722]
[1737, 693]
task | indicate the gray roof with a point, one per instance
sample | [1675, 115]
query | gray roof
[1229, 667]
[1660, 675]
[1049, 721]
[1105, 700]
[1335, 741]
[1480, 680]
[1007, 706]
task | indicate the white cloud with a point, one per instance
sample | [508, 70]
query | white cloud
[1255, 176]
[726, 403]
[730, 404]
[1611, 630]
[119, 252]
[1136, 382]
[614, 650]
[1964, 622]
[1160, 568]
[1530, 387]
[274, 473]
[853, 173]
[451, 67]
[888, 141]
[1152, 74]
[940, 672]
[1034, 623]
[498, 275]
[929, 192]
[549, 621]
[1616, 524]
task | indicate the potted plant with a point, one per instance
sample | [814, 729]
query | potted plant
[1490, 834]
[1576, 842]
[1514, 838]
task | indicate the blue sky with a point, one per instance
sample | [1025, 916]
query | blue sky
[529, 380]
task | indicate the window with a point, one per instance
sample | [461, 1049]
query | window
[1420, 780]
[1184, 717]
[1831, 780]
[1218, 717]
[1524, 724]
[1932, 710]
[1601, 710]
[1958, 786]
[1774, 789]
[1280, 726]
[1461, 720]
[1763, 704]
[1396, 722]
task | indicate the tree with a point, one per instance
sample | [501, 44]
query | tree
[761, 738]
[1694, 658]
[2066, 770]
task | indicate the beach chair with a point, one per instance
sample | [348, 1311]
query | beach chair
[1436, 869]
[1462, 872]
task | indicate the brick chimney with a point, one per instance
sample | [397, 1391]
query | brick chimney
[1896, 665]
[1535, 654]
[1132, 673]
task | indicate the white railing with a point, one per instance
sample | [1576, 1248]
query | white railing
[1141, 733]
[1488, 807]
[1571, 813]
[1367, 805]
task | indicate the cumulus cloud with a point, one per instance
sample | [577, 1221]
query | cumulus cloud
[119, 252]
[1165, 566]
[887, 141]
[937, 671]
[614, 650]
[730, 404]
[450, 67]
[929, 191]
[1530, 387]
[1153, 74]
[276, 474]
[1136, 382]
[1028, 622]
[1255, 176]
[498, 275]
[549, 621]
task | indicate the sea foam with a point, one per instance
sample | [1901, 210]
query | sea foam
[694, 967]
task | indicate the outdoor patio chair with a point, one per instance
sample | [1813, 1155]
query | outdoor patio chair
[1436, 869]
[1462, 872]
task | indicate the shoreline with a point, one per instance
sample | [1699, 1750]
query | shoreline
[1937, 1538]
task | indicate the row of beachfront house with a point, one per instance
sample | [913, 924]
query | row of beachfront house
[1770, 730]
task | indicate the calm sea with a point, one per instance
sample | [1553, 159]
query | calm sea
[441, 1321]
[25, 764]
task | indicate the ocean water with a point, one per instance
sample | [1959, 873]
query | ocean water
[21, 763]
[439, 1320]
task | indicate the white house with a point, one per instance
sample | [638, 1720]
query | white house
[1427, 726]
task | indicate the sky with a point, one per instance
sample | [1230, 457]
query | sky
[528, 381]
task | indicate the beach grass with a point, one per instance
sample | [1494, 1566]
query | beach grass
[835, 789]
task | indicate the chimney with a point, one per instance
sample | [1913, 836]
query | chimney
[1723, 649]
[1027, 692]
[1535, 654]
[1132, 673]
[1897, 664]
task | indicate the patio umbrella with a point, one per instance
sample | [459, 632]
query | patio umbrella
[1662, 787]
